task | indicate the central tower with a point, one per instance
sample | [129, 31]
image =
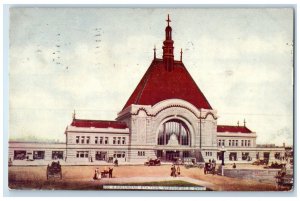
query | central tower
[168, 48]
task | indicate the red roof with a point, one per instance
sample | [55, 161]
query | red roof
[98, 123]
[233, 129]
[158, 84]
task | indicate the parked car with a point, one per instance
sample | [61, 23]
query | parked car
[152, 162]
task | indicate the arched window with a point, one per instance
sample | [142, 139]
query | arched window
[173, 131]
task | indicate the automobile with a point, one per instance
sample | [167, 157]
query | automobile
[54, 170]
[260, 162]
[190, 162]
[152, 162]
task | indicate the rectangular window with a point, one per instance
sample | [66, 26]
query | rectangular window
[82, 154]
[232, 156]
[249, 143]
[19, 154]
[119, 140]
[242, 144]
[38, 155]
[141, 153]
[119, 154]
[219, 143]
[123, 140]
[88, 140]
[106, 140]
[223, 142]
[245, 156]
[57, 155]
[77, 139]
[114, 140]
[96, 140]
[101, 140]
[101, 155]
[236, 143]
[82, 139]
[229, 143]
[219, 155]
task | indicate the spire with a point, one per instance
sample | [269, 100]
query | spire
[181, 54]
[168, 20]
[168, 56]
[238, 123]
[154, 49]
[74, 115]
[244, 122]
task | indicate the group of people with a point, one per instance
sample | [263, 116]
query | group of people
[99, 174]
[175, 171]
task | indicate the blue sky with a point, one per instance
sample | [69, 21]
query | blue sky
[91, 60]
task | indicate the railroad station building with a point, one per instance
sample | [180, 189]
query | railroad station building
[167, 116]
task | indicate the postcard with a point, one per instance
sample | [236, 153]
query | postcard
[159, 99]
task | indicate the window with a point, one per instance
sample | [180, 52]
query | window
[106, 140]
[82, 139]
[57, 155]
[245, 156]
[173, 131]
[114, 140]
[96, 140]
[119, 140]
[123, 140]
[82, 154]
[233, 156]
[257, 155]
[242, 143]
[277, 155]
[230, 143]
[236, 143]
[208, 153]
[249, 143]
[77, 139]
[223, 142]
[101, 140]
[88, 140]
[141, 153]
[219, 155]
[219, 143]
[119, 154]
[38, 155]
[19, 154]
[100, 155]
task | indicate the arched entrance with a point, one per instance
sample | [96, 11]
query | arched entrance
[173, 136]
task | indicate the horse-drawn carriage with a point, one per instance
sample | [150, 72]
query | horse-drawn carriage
[152, 162]
[284, 179]
[54, 170]
[210, 168]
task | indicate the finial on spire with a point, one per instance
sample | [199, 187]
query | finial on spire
[168, 20]
[244, 122]
[181, 54]
[154, 49]
[238, 123]
[74, 115]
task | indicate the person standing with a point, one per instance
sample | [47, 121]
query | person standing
[110, 170]
[178, 170]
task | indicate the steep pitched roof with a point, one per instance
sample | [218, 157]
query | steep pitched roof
[233, 129]
[159, 84]
[98, 124]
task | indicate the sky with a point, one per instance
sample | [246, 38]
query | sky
[91, 59]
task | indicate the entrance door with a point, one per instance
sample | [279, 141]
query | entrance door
[172, 155]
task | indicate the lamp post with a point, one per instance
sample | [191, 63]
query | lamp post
[222, 154]
[222, 150]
